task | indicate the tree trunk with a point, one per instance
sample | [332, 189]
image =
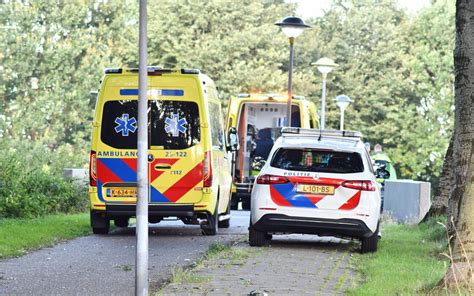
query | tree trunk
[446, 183]
[461, 203]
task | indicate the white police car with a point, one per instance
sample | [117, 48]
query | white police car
[317, 182]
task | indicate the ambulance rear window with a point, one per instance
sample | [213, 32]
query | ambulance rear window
[175, 124]
[172, 124]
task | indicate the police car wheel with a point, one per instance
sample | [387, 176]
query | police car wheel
[369, 244]
[257, 238]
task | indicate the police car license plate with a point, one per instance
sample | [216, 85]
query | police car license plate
[315, 189]
[122, 192]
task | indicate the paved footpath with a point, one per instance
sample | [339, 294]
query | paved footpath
[291, 265]
[104, 264]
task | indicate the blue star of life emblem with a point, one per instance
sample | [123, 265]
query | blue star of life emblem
[125, 124]
[175, 125]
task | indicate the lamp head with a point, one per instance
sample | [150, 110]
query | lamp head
[325, 65]
[292, 26]
[342, 101]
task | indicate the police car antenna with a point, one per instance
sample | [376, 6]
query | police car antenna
[320, 134]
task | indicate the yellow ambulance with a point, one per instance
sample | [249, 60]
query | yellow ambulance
[257, 120]
[188, 162]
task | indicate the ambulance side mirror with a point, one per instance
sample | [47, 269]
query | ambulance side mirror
[232, 139]
[382, 173]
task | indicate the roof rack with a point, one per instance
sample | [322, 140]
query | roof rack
[322, 133]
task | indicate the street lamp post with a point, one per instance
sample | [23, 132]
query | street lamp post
[292, 27]
[342, 101]
[324, 65]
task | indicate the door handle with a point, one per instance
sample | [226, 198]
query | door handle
[162, 167]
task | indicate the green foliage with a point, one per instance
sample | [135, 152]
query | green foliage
[398, 69]
[31, 184]
[235, 42]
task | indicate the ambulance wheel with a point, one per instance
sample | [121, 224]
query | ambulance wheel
[225, 223]
[369, 244]
[212, 221]
[234, 202]
[121, 222]
[257, 238]
[246, 205]
[100, 224]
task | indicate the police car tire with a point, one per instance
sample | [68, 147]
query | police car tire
[257, 238]
[369, 244]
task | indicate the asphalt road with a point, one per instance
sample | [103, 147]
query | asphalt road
[104, 265]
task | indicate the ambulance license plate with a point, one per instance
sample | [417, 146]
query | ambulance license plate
[315, 189]
[122, 192]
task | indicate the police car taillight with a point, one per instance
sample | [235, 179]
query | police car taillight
[271, 179]
[207, 170]
[93, 169]
[360, 185]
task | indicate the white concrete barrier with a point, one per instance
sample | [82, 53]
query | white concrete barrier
[407, 201]
[78, 175]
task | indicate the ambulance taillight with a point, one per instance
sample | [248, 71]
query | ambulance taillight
[93, 169]
[207, 169]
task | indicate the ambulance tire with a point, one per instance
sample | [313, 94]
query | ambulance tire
[369, 244]
[100, 224]
[212, 222]
[121, 222]
[225, 223]
[246, 204]
[234, 202]
[257, 238]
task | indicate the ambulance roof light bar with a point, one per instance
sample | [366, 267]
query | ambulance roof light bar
[151, 69]
[113, 71]
[317, 132]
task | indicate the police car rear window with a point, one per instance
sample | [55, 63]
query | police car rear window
[172, 124]
[314, 160]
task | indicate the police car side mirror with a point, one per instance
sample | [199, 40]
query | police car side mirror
[232, 139]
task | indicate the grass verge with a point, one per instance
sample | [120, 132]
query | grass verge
[408, 261]
[18, 236]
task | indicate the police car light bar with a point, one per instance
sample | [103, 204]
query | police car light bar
[317, 132]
